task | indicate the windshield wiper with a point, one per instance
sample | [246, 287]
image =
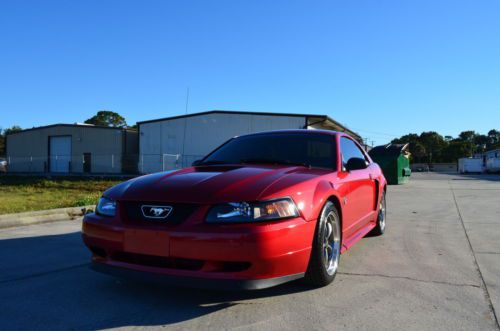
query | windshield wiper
[273, 161]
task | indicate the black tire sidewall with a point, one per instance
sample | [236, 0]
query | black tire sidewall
[316, 273]
[384, 202]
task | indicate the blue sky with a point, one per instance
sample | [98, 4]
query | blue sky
[383, 68]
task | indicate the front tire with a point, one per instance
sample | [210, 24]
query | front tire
[325, 252]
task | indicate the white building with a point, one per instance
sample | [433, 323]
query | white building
[492, 160]
[470, 165]
[175, 142]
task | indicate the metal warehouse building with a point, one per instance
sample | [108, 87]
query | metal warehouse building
[73, 148]
[175, 142]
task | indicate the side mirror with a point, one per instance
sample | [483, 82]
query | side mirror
[196, 163]
[356, 163]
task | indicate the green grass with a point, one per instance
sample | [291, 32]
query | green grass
[20, 194]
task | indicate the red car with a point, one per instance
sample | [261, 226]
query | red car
[260, 210]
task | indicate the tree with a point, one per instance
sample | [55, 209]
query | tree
[467, 136]
[107, 118]
[481, 143]
[418, 152]
[432, 147]
[434, 144]
[493, 139]
[13, 129]
[476, 142]
[455, 150]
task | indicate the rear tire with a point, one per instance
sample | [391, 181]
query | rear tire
[379, 229]
[325, 252]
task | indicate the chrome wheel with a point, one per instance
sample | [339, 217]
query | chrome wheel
[331, 243]
[325, 251]
[381, 214]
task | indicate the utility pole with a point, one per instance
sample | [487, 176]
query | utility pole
[185, 128]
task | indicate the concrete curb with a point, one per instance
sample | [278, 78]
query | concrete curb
[43, 216]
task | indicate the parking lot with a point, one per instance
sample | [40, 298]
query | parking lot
[437, 267]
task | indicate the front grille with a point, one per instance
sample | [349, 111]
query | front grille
[158, 261]
[179, 213]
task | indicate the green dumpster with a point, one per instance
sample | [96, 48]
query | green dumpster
[394, 159]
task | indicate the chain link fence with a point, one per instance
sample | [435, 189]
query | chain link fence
[149, 163]
[99, 163]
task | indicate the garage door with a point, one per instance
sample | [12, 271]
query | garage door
[60, 154]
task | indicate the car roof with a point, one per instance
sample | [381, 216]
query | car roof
[292, 131]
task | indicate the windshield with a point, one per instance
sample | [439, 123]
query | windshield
[304, 149]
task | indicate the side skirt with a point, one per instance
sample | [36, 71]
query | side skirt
[347, 243]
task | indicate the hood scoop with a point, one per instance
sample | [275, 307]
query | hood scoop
[217, 168]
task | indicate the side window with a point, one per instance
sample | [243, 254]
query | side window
[349, 149]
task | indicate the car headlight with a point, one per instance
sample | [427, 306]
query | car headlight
[251, 212]
[106, 207]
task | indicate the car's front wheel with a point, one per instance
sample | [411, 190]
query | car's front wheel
[325, 253]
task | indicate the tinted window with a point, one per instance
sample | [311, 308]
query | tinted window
[349, 149]
[315, 150]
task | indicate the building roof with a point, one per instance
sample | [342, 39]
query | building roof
[87, 126]
[315, 119]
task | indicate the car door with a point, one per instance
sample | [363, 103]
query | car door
[360, 198]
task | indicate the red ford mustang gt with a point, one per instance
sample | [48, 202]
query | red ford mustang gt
[260, 210]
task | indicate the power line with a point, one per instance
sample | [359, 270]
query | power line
[378, 133]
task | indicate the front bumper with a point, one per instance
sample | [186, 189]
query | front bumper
[196, 254]
[192, 282]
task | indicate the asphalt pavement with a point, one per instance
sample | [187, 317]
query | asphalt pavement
[437, 267]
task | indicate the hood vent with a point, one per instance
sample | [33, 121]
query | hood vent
[217, 168]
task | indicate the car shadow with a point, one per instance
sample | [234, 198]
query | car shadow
[45, 281]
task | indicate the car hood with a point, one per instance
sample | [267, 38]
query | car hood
[214, 184]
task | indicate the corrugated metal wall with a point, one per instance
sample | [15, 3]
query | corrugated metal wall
[28, 151]
[176, 143]
[130, 158]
